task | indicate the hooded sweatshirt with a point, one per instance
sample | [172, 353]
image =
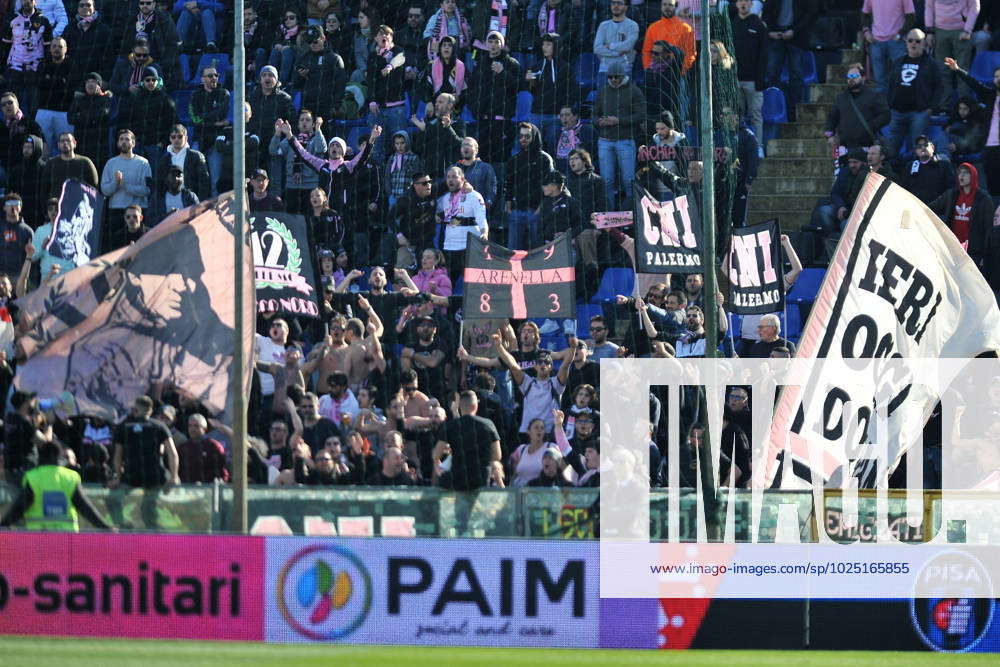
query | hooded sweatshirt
[26, 179]
[525, 171]
[968, 215]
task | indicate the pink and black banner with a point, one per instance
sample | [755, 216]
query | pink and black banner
[518, 284]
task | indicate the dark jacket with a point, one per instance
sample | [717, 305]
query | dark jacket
[414, 217]
[803, 19]
[265, 110]
[122, 73]
[986, 94]
[491, 94]
[158, 204]
[588, 188]
[844, 122]
[90, 116]
[439, 146]
[920, 88]
[750, 42]
[206, 109]
[524, 173]
[54, 84]
[980, 217]
[928, 181]
[969, 133]
[196, 176]
[26, 178]
[560, 214]
[384, 89]
[88, 49]
[847, 186]
[553, 87]
[163, 40]
[661, 84]
[149, 114]
[626, 102]
[12, 138]
[321, 77]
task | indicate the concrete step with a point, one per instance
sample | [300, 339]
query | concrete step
[802, 130]
[836, 73]
[803, 204]
[777, 167]
[789, 221]
[792, 185]
[812, 113]
[848, 56]
[824, 93]
[816, 147]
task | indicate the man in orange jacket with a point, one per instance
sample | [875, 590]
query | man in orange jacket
[672, 30]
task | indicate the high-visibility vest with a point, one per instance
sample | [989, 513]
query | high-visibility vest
[52, 508]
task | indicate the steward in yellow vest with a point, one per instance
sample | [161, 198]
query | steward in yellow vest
[51, 496]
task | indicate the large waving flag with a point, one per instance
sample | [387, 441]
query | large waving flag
[159, 311]
[899, 285]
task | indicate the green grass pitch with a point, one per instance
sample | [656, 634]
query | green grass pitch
[46, 652]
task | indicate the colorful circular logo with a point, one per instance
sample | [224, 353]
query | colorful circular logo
[324, 592]
[951, 609]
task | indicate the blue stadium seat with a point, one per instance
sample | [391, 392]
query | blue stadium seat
[185, 62]
[523, 106]
[983, 66]
[615, 281]
[219, 60]
[584, 311]
[354, 134]
[791, 326]
[806, 287]
[773, 108]
[585, 69]
[182, 99]
[808, 68]
[458, 287]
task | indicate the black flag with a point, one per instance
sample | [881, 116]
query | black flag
[756, 282]
[283, 264]
[519, 283]
[667, 235]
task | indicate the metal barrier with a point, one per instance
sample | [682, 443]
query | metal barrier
[526, 512]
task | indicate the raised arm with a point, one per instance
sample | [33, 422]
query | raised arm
[516, 374]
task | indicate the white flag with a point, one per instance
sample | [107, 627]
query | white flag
[899, 285]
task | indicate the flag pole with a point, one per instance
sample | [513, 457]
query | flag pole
[239, 408]
[710, 494]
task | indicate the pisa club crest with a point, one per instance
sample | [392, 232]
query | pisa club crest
[324, 592]
[951, 609]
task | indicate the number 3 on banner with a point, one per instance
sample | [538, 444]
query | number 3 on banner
[555, 303]
[484, 302]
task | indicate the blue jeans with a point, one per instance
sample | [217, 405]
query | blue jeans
[186, 25]
[883, 54]
[523, 230]
[284, 60]
[779, 51]
[908, 125]
[617, 157]
[392, 121]
[214, 159]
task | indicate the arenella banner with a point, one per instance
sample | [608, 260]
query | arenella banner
[143, 586]
[432, 592]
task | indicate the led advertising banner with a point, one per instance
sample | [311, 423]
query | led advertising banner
[432, 592]
[144, 586]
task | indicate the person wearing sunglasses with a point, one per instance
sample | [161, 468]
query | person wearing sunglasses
[858, 114]
[914, 88]
[159, 29]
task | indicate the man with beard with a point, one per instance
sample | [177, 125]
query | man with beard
[426, 356]
[991, 98]
[460, 213]
[914, 88]
[67, 164]
[928, 176]
[523, 173]
[692, 342]
[492, 95]
[412, 216]
[316, 429]
[858, 114]
[440, 140]
[479, 174]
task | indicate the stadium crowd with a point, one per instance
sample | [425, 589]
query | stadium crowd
[398, 128]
